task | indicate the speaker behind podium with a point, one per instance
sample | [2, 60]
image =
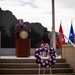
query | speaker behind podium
[23, 42]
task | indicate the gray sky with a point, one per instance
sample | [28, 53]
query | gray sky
[41, 11]
[65, 11]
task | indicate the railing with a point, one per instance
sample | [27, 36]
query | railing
[70, 41]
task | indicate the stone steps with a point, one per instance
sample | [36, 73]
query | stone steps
[26, 66]
[24, 60]
[30, 65]
[34, 71]
[41, 74]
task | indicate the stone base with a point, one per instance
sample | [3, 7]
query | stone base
[11, 51]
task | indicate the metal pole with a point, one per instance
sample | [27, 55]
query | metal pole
[53, 26]
[50, 71]
[39, 70]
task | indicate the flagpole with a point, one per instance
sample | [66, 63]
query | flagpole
[61, 35]
[53, 26]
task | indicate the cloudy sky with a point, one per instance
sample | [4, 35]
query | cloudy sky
[41, 11]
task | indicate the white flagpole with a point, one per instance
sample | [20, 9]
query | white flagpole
[53, 25]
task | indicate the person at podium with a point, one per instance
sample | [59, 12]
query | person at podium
[23, 42]
[21, 24]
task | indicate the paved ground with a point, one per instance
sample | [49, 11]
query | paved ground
[31, 57]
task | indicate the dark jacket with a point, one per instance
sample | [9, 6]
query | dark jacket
[19, 26]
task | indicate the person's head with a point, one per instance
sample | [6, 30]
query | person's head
[21, 21]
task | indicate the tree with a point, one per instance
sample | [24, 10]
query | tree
[4, 38]
[12, 36]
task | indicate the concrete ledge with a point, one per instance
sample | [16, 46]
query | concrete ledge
[11, 51]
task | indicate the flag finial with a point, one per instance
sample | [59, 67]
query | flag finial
[71, 21]
[60, 20]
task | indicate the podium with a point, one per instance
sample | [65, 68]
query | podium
[23, 42]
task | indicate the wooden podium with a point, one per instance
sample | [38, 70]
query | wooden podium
[23, 42]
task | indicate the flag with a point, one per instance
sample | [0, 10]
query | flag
[71, 34]
[60, 39]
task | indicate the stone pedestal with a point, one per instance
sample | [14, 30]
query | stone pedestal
[68, 53]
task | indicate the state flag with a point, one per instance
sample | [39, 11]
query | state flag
[60, 39]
